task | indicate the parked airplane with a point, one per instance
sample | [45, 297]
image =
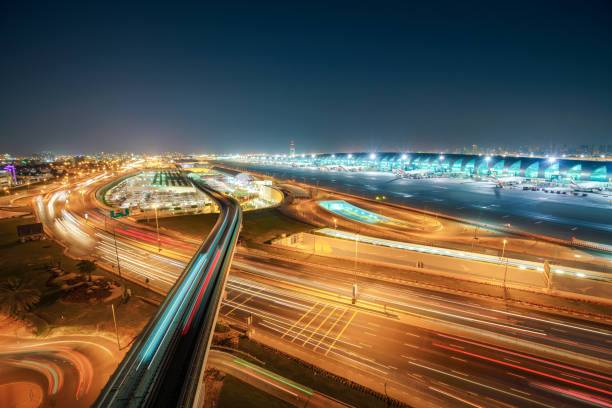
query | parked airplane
[588, 186]
[417, 173]
[507, 181]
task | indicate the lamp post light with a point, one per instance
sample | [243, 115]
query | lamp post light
[505, 267]
[335, 224]
[157, 228]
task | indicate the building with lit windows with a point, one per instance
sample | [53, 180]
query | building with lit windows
[458, 165]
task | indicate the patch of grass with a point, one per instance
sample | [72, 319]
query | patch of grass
[196, 225]
[236, 393]
[29, 262]
[268, 223]
[282, 365]
[258, 225]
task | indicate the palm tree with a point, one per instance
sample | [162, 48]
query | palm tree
[15, 299]
[86, 267]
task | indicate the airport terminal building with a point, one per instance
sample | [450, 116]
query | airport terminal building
[549, 169]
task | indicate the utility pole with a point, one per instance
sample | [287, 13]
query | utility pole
[116, 328]
[157, 227]
[355, 283]
[505, 268]
[118, 266]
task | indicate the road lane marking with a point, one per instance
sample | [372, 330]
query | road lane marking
[413, 335]
[320, 325]
[411, 345]
[329, 330]
[448, 394]
[459, 359]
[515, 375]
[309, 322]
[481, 384]
[501, 403]
[242, 303]
[460, 373]
[368, 333]
[512, 361]
[522, 392]
[300, 319]
[458, 346]
[341, 332]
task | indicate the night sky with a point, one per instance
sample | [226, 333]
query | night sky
[334, 76]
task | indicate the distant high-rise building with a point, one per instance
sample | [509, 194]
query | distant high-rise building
[474, 149]
[292, 148]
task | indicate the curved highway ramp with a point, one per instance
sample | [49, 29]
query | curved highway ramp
[164, 366]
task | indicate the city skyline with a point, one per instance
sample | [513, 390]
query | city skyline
[392, 77]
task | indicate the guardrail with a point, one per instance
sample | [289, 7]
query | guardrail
[165, 364]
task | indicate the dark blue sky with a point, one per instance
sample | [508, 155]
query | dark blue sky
[333, 76]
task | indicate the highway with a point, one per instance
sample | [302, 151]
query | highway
[305, 310]
[424, 344]
[560, 216]
[164, 366]
[273, 384]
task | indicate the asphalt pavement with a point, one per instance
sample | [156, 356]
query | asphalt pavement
[556, 215]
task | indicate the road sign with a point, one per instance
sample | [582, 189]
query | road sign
[119, 214]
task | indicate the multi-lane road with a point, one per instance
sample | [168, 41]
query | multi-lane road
[557, 215]
[431, 349]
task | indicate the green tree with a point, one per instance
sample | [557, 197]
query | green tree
[15, 299]
[86, 267]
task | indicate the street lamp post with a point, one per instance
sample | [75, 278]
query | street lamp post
[335, 224]
[355, 284]
[157, 227]
[505, 267]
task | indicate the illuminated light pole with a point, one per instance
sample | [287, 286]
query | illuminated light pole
[157, 227]
[335, 224]
[355, 284]
[505, 267]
